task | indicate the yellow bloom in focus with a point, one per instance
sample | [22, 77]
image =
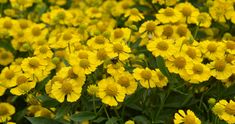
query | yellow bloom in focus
[146, 77]
[111, 92]
[192, 52]
[230, 46]
[129, 122]
[120, 34]
[188, 11]
[24, 85]
[212, 49]
[127, 81]
[8, 76]
[115, 68]
[162, 47]
[43, 52]
[186, 118]
[7, 25]
[225, 110]
[220, 69]
[118, 49]
[134, 15]
[97, 42]
[169, 15]
[43, 112]
[149, 29]
[230, 81]
[197, 72]
[6, 111]
[36, 32]
[68, 88]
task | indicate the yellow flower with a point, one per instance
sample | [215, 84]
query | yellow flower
[36, 32]
[165, 2]
[2, 89]
[118, 49]
[212, 49]
[43, 52]
[177, 64]
[93, 89]
[230, 46]
[21, 4]
[149, 29]
[167, 31]
[204, 20]
[225, 110]
[162, 47]
[192, 52]
[129, 122]
[6, 111]
[24, 85]
[220, 69]
[230, 81]
[186, 118]
[162, 79]
[58, 2]
[101, 55]
[43, 112]
[115, 68]
[169, 15]
[134, 15]
[6, 57]
[111, 92]
[8, 76]
[188, 11]
[7, 25]
[127, 81]
[221, 10]
[146, 77]
[183, 31]
[97, 42]
[68, 88]
[198, 72]
[120, 34]
[94, 12]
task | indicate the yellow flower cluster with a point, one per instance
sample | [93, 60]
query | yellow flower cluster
[96, 46]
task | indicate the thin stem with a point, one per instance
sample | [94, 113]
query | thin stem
[106, 112]
[116, 112]
[196, 31]
[94, 105]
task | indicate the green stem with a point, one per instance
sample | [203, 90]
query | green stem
[106, 112]
[196, 31]
[116, 112]
[94, 105]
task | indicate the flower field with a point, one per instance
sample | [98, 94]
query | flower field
[117, 61]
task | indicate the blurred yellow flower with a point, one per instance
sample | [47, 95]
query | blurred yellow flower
[187, 118]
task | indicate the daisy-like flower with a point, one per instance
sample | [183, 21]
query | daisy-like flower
[188, 11]
[6, 57]
[204, 20]
[68, 89]
[7, 25]
[163, 47]
[198, 72]
[127, 81]
[6, 111]
[36, 32]
[192, 52]
[8, 76]
[120, 34]
[220, 69]
[225, 110]
[110, 91]
[115, 68]
[43, 51]
[149, 29]
[118, 49]
[97, 42]
[230, 46]
[134, 15]
[146, 77]
[169, 15]
[186, 118]
[93, 89]
[212, 49]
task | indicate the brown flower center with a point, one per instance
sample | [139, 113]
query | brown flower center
[230, 45]
[43, 49]
[220, 65]
[83, 55]
[186, 11]
[7, 24]
[182, 31]
[21, 79]
[84, 63]
[9, 74]
[36, 31]
[33, 63]
[118, 33]
[230, 108]
[117, 48]
[99, 40]
[188, 119]
[67, 87]
[23, 24]
[212, 47]
[162, 45]
[124, 81]
[102, 54]
[111, 90]
[191, 53]
[198, 69]
[169, 12]
[67, 36]
[150, 27]
[180, 62]
[3, 111]
[146, 74]
[168, 31]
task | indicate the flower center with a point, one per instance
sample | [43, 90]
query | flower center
[71, 74]
[43, 49]
[83, 55]
[180, 62]
[67, 87]
[117, 48]
[187, 11]
[230, 45]
[20, 33]
[162, 45]
[150, 27]
[111, 90]
[146, 74]
[67, 36]
[21, 79]
[167, 31]
[99, 40]
[3, 111]
[201, 18]
[169, 12]
[189, 120]
[191, 53]
[198, 69]
[9, 74]
[124, 81]
[36, 31]
[118, 33]
[4, 55]
[84, 63]
[134, 11]
[212, 47]
[181, 31]
[61, 15]
[23, 24]
[7, 24]
[230, 58]
[220, 65]
[33, 63]
[101, 54]
[230, 108]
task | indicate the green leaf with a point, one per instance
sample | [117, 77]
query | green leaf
[83, 116]
[42, 120]
[162, 67]
[61, 111]
[141, 120]
[112, 120]
[99, 119]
